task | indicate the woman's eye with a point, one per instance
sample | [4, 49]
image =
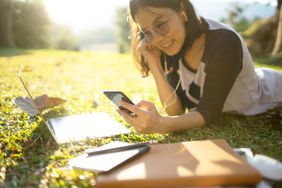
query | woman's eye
[160, 24]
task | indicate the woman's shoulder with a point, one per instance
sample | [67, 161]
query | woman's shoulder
[213, 24]
[221, 41]
[220, 36]
[218, 30]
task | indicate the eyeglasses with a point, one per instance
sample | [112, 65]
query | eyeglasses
[160, 27]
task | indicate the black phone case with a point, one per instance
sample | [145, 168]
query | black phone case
[112, 94]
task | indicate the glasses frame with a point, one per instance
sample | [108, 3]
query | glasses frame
[148, 35]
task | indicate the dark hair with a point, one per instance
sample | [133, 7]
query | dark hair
[197, 25]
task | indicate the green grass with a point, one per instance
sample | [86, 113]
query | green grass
[30, 158]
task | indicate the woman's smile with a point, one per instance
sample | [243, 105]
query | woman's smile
[167, 44]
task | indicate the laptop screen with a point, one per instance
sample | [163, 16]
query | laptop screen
[34, 104]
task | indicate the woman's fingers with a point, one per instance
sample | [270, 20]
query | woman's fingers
[136, 122]
[133, 121]
[147, 119]
[146, 105]
[127, 117]
[142, 45]
[133, 108]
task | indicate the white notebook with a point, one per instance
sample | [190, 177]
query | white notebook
[79, 127]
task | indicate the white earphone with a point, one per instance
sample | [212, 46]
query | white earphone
[185, 16]
[165, 105]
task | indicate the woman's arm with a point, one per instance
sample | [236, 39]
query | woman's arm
[170, 101]
[185, 121]
[148, 120]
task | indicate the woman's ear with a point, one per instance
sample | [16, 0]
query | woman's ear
[184, 16]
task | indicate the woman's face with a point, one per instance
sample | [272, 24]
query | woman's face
[163, 28]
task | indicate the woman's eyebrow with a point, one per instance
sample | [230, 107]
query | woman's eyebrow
[155, 20]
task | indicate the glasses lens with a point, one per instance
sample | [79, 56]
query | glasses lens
[162, 29]
[148, 36]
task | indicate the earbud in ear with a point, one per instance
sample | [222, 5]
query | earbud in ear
[185, 16]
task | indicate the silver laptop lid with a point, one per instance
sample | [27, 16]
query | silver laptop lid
[32, 99]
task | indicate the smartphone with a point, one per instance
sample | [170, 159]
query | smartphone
[116, 97]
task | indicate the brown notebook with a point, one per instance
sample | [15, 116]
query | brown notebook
[194, 163]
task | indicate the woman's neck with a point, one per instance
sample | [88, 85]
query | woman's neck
[194, 54]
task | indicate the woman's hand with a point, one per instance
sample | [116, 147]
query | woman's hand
[147, 120]
[150, 53]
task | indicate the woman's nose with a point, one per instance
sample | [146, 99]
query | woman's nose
[156, 36]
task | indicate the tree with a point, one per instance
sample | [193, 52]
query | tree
[62, 38]
[6, 34]
[23, 23]
[236, 18]
[278, 42]
[123, 30]
[262, 35]
[279, 3]
[30, 24]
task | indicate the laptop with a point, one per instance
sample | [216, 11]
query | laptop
[79, 127]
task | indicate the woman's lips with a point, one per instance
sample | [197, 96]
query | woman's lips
[168, 44]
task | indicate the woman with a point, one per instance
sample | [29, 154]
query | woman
[197, 64]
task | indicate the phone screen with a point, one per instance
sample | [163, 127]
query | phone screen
[116, 97]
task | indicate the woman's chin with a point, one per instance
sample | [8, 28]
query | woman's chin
[171, 50]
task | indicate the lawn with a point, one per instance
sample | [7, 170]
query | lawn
[30, 158]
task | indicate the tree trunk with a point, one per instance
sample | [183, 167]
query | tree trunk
[278, 42]
[6, 32]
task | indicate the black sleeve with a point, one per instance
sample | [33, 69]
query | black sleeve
[223, 64]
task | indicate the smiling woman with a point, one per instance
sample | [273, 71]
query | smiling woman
[202, 69]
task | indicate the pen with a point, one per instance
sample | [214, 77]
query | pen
[97, 151]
